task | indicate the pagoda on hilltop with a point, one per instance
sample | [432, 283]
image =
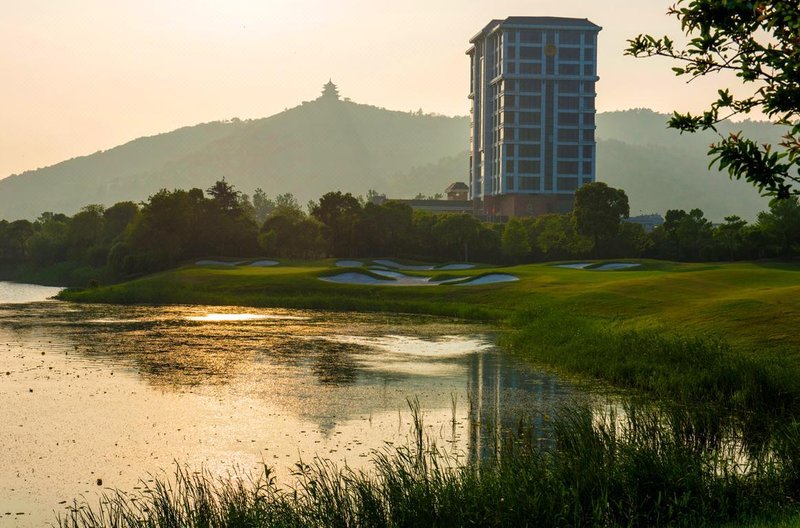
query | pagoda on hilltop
[330, 92]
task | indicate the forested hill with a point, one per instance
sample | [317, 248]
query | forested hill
[322, 145]
[329, 144]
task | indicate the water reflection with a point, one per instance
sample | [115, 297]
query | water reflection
[116, 392]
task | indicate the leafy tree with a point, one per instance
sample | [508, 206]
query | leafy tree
[515, 243]
[289, 233]
[781, 224]
[340, 213]
[117, 218]
[17, 234]
[672, 220]
[758, 41]
[630, 241]
[730, 236]
[557, 237]
[50, 241]
[263, 205]
[225, 197]
[694, 230]
[85, 235]
[455, 233]
[598, 211]
[287, 201]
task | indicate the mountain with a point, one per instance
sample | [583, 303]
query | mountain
[322, 145]
[331, 144]
[661, 169]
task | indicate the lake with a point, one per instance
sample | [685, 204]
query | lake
[97, 397]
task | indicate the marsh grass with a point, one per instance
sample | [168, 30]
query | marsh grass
[638, 468]
[691, 370]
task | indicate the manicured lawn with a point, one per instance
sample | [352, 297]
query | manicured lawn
[754, 307]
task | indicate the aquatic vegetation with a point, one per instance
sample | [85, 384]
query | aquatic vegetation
[633, 469]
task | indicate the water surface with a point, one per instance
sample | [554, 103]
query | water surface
[94, 397]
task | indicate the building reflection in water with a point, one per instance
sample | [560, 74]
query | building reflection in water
[502, 397]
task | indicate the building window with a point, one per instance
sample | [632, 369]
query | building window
[588, 118]
[530, 68]
[531, 134]
[571, 87]
[569, 54]
[528, 184]
[568, 134]
[569, 37]
[569, 69]
[588, 87]
[529, 151]
[511, 52]
[532, 37]
[510, 166]
[568, 151]
[568, 103]
[530, 52]
[567, 118]
[530, 101]
[528, 85]
[587, 168]
[567, 184]
[529, 118]
[588, 54]
[588, 151]
[588, 136]
[589, 38]
[529, 167]
[510, 183]
[567, 167]
[588, 103]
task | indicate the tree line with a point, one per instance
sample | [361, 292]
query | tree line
[175, 226]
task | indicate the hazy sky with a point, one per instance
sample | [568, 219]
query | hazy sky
[83, 75]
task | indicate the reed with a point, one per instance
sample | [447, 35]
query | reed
[601, 469]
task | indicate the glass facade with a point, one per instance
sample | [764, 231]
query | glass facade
[533, 106]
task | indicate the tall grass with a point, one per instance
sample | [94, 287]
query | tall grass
[690, 370]
[633, 469]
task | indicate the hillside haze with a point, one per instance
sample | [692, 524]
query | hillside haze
[319, 146]
[330, 144]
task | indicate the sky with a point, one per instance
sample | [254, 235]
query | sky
[87, 75]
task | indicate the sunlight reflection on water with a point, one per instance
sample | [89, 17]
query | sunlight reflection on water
[233, 317]
[117, 392]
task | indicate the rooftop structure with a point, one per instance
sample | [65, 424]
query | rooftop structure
[532, 89]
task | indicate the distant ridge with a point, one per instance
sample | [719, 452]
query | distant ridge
[316, 147]
[330, 144]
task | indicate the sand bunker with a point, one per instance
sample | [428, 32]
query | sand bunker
[577, 265]
[456, 267]
[264, 263]
[394, 278]
[355, 278]
[491, 278]
[349, 263]
[611, 266]
[395, 265]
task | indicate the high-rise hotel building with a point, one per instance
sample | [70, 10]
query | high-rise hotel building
[533, 114]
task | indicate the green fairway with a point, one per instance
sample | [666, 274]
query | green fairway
[755, 307]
